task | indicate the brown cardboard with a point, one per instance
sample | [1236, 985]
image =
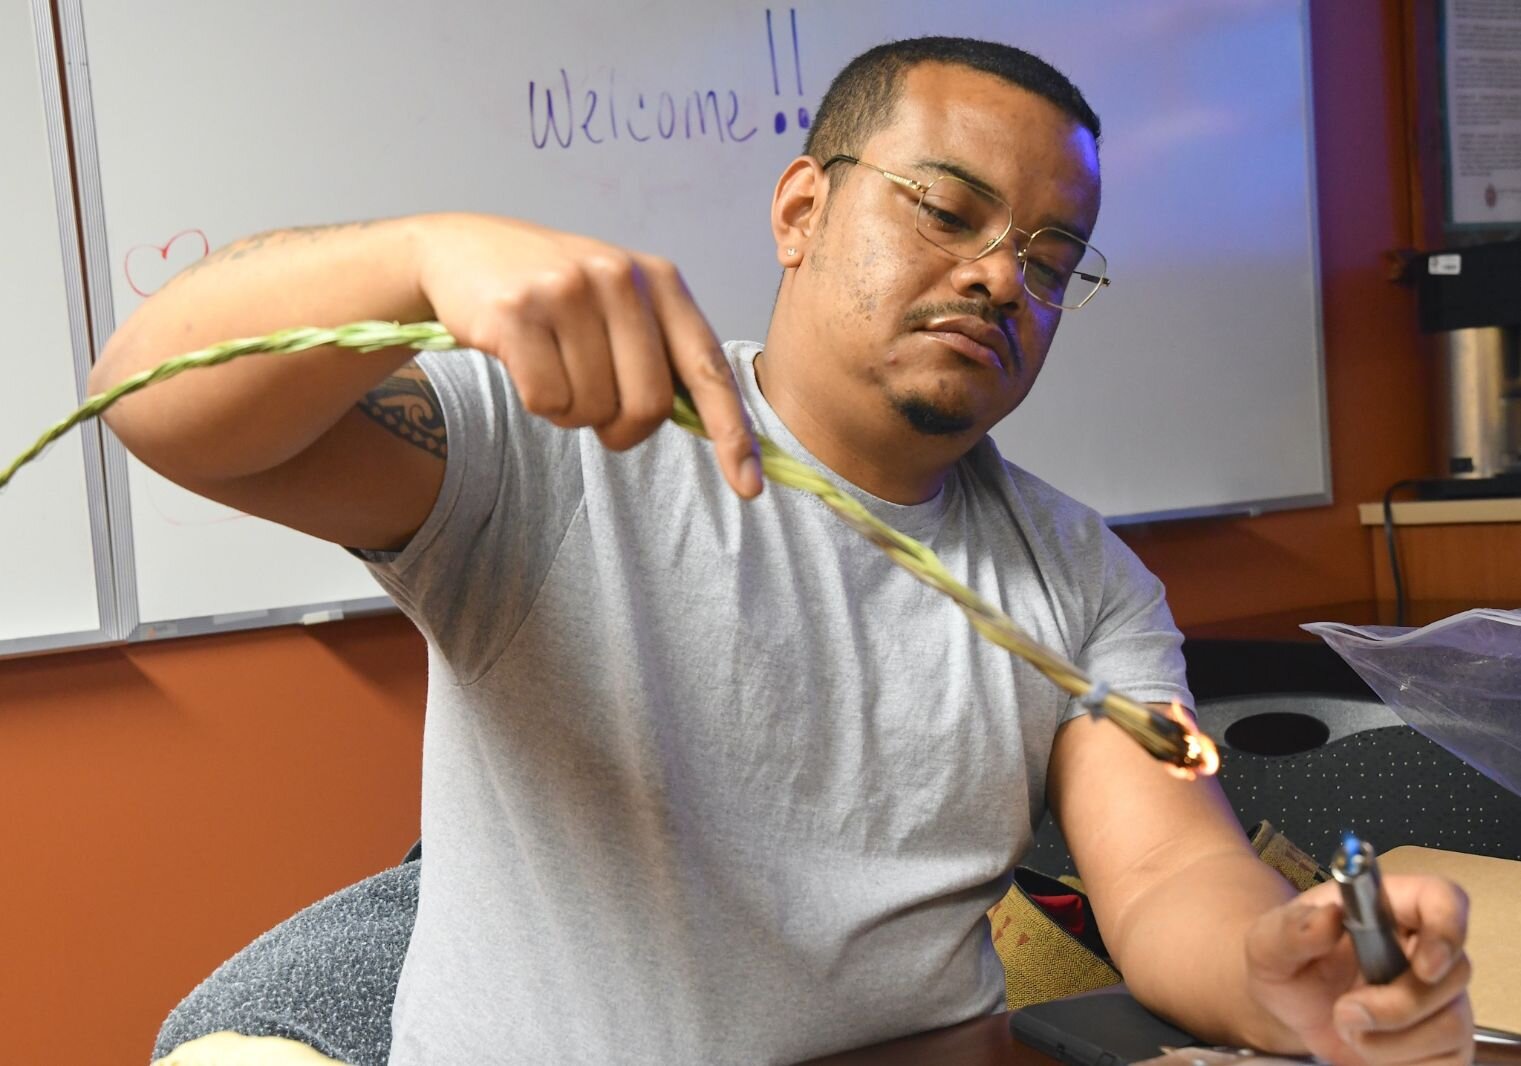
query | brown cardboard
[1494, 925]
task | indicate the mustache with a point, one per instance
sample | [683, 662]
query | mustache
[918, 316]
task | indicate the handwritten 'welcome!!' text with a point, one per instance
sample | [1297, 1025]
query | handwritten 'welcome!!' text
[596, 115]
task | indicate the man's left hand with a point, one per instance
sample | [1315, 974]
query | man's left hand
[1303, 971]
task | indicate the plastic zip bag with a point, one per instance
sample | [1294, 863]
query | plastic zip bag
[1456, 682]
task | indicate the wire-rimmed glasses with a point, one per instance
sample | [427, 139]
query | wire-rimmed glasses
[1058, 268]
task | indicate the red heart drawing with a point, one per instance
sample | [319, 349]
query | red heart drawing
[149, 276]
[181, 509]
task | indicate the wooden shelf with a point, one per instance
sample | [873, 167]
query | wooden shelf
[1468, 550]
[1443, 512]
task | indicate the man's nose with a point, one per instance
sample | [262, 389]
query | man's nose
[998, 277]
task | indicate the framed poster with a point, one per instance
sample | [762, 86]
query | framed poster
[1481, 105]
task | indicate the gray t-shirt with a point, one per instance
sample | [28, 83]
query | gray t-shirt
[710, 782]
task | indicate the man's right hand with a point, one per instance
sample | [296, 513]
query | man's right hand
[592, 335]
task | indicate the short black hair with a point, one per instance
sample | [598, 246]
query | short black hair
[862, 98]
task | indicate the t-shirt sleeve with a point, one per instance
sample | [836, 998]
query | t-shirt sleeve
[1132, 643]
[512, 484]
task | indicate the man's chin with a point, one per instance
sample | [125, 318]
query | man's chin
[934, 420]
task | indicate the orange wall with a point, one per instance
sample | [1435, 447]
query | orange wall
[165, 803]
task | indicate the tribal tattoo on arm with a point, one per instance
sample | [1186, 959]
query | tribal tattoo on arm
[406, 405]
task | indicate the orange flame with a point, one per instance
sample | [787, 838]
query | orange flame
[1202, 757]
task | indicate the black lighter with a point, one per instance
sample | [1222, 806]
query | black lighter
[1366, 912]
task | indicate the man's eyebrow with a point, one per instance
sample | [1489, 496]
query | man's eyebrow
[1062, 224]
[956, 170]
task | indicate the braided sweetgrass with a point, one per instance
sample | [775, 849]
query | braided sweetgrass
[1170, 739]
[365, 336]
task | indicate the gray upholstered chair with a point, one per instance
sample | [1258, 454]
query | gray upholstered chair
[325, 976]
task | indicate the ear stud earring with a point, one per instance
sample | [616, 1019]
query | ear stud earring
[792, 251]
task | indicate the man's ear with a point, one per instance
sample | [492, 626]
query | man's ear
[797, 207]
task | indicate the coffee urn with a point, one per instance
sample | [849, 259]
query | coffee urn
[1470, 298]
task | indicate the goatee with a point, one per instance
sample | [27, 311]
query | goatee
[930, 420]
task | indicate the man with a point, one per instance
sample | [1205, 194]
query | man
[709, 780]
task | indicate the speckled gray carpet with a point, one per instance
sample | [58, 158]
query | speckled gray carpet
[1390, 785]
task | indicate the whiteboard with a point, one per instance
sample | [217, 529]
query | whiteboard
[1192, 385]
[55, 570]
[189, 565]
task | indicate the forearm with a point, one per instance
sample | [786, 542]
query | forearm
[254, 414]
[1183, 949]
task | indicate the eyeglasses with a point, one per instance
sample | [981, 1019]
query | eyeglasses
[1057, 268]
